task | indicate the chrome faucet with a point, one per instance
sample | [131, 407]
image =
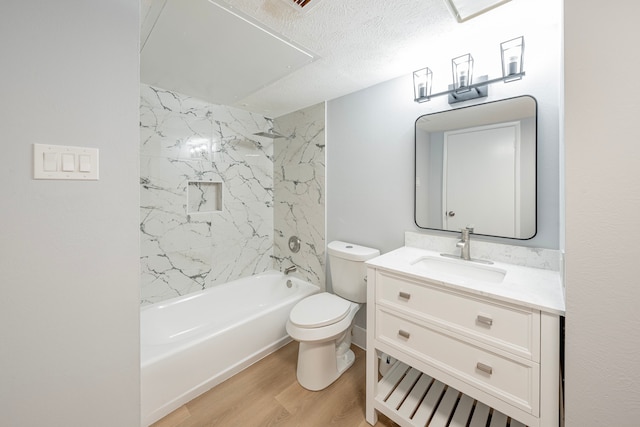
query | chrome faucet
[290, 269]
[464, 243]
[465, 250]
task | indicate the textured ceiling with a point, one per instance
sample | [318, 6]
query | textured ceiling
[355, 44]
[208, 51]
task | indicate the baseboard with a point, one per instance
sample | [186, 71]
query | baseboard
[359, 337]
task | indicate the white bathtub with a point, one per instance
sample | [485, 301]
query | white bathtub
[192, 343]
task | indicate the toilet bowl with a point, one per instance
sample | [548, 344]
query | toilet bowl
[322, 323]
[324, 336]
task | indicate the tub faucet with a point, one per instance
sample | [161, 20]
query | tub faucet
[290, 269]
[463, 244]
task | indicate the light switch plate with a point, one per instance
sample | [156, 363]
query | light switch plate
[49, 162]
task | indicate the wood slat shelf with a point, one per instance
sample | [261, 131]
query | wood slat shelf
[416, 399]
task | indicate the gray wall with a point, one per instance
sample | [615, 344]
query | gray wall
[69, 254]
[370, 145]
[370, 160]
[370, 166]
[602, 204]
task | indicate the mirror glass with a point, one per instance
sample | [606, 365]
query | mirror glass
[476, 167]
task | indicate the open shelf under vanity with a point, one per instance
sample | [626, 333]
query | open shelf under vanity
[410, 397]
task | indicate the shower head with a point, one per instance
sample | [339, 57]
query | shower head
[270, 134]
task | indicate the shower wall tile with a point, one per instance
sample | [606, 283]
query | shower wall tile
[184, 139]
[172, 274]
[299, 193]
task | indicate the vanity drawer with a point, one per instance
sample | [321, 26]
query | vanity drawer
[513, 380]
[514, 329]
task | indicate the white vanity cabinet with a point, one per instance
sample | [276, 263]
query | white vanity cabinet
[462, 345]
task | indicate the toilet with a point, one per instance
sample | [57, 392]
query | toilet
[322, 322]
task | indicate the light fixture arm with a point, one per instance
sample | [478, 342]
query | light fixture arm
[477, 89]
[464, 88]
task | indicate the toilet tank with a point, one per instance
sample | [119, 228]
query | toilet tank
[348, 271]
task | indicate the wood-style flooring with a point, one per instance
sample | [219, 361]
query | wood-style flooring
[268, 394]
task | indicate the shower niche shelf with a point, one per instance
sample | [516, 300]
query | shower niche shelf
[204, 197]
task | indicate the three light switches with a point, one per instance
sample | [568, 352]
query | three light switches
[64, 162]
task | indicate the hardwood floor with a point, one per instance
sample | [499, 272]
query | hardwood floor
[268, 394]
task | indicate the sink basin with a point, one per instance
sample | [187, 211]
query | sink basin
[459, 268]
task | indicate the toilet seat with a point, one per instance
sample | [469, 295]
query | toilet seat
[319, 310]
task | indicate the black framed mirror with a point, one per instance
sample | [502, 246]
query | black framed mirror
[476, 167]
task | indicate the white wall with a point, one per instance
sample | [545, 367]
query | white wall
[69, 306]
[370, 133]
[602, 141]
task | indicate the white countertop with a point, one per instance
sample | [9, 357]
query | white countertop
[530, 287]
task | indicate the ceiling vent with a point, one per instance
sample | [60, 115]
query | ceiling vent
[302, 6]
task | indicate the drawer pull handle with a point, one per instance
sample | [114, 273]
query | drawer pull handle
[404, 334]
[485, 320]
[404, 295]
[484, 368]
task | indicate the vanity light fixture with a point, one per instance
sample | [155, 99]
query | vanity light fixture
[464, 88]
[512, 52]
[422, 83]
[462, 68]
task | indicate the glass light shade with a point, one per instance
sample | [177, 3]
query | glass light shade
[512, 53]
[462, 68]
[422, 80]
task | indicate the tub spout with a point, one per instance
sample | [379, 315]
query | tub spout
[290, 269]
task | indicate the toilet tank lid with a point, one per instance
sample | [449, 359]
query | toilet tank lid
[351, 251]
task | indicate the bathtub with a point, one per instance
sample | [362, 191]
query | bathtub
[191, 343]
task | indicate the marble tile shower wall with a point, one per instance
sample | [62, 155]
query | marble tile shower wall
[299, 192]
[206, 194]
